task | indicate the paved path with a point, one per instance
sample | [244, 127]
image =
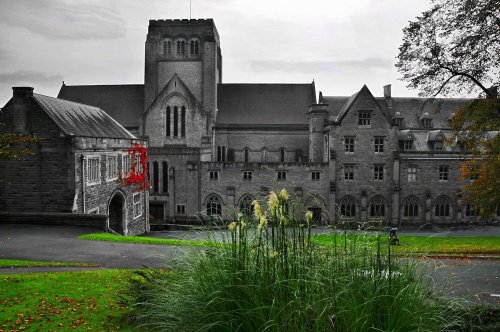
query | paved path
[475, 280]
[60, 243]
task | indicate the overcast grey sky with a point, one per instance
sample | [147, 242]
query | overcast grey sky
[340, 44]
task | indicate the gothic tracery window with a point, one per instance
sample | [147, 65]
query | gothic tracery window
[442, 207]
[410, 207]
[214, 206]
[377, 207]
[348, 207]
[246, 207]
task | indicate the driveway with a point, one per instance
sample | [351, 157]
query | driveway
[475, 280]
[60, 243]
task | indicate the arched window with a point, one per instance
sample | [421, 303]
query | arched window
[156, 181]
[282, 155]
[377, 207]
[176, 121]
[183, 121]
[442, 207]
[181, 47]
[167, 47]
[410, 207]
[165, 177]
[214, 206]
[168, 121]
[194, 48]
[348, 207]
[246, 153]
[246, 207]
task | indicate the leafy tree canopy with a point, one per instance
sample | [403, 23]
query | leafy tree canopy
[454, 48]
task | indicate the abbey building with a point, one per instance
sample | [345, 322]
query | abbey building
[214, 147]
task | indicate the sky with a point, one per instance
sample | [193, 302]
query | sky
[341, 45]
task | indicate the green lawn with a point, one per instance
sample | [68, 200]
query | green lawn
[63, 301]
[428, 245]
[23, 263]
[145, 240]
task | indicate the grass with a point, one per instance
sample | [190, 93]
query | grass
[146, 240]
[63, 301]
[277, 279]
[434, 245]
[25, 263]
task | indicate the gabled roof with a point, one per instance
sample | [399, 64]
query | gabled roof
[339, 106]
[125, 103]
[264, 104]
[77, 119]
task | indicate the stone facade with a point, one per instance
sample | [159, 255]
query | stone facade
[56, 177]
[216, 146]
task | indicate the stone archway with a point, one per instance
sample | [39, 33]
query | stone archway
[117, 214]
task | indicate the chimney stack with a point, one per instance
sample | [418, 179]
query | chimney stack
[387, 91]
[21, 103]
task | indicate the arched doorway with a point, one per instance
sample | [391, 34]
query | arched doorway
[116, 213]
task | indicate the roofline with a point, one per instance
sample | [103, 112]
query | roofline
[291, 127]
[265, 84]
[81, 85]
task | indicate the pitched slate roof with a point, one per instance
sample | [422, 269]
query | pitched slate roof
[81, 120]
[264, 104]
[125, 103]
[411, 110]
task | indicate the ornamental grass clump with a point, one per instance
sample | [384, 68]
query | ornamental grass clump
[270, 276]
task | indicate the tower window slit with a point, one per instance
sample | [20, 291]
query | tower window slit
[176, 121]
[183, 121]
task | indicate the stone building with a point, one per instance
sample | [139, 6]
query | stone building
[71, 177]
[214, 147]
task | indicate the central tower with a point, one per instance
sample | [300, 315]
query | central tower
[183, 65]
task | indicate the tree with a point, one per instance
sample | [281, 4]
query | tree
[454, 48]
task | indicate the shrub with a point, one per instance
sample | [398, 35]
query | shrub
[275, 278]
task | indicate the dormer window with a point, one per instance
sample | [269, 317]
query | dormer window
[194, 48]
[397, 119]
[426, 120]
[406, 144]
[365, 118]
[438, 146]
[167, 47]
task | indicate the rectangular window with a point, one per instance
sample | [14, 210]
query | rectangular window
[438, 146]
[349, 144]
[412, 174]
[111, 168]
[315, 175]
[378, 172]
[93, 170]
[213, 175]
[398, 122]
[427, 123]
[365, 119]
[348, 172]
[126, 165]
[407, 145]
[137, 205]
[443, 172]
[180, 209]
[281, 175]
[379, 144]
[247, 175]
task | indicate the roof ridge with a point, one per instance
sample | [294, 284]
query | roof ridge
[82, 85]
[69, 101]
[264, 83]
